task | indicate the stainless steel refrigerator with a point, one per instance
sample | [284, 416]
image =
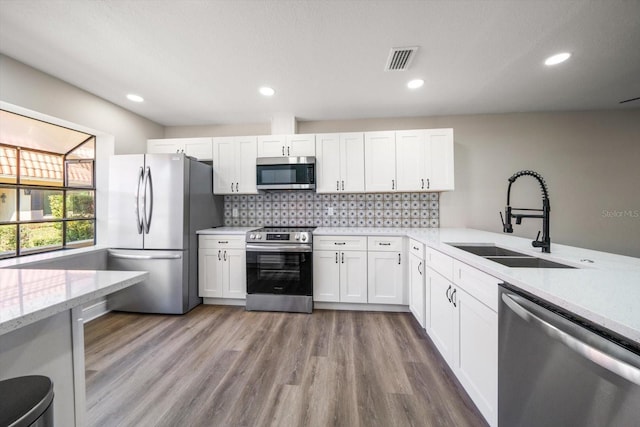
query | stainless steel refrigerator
[156, 204]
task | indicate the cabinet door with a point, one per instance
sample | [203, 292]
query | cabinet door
[301, 145]
[380, 161]
[200, 148]
[235, 282]
[328, 163]
[441, 176]
[224, 165]
[476, 355]
[353, 276]
[412, 155]
[416, 288]
[210, 273]
[326, 276]
[442, 316]
[385, 278]
[246, 165]
[272, 146]
[164, 146]
[352, 162]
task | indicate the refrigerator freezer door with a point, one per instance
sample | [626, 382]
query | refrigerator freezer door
[163, 292]
[165, 198]
[125, 181]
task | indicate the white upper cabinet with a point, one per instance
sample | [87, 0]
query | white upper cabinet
[340, 162]
[380, 161]
[299, 145]
[234, 165]
[424, 160]
[199, 148]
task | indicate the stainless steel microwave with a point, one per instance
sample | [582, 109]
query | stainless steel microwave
[286, 173]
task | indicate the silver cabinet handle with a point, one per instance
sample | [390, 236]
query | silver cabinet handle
[589, 352]
[428, 184]
[342, 255]
[447, 293]
[337, 185]
[342, 185]
[453, 299]
[393, 184]
[283, 150]
[237, 187]
[138, 219]
[219, 258]
[224, 257]
[223, 242]
[232, 187]
[422, 179]
[336, 257]
[384, 243]
[399, 259]
[288, 151]
[420, 265]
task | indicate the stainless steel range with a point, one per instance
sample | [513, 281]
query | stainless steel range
[280, 269]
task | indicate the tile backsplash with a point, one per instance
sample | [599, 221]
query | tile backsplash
[308, 209]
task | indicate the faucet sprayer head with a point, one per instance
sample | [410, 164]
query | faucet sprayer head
[536, 175]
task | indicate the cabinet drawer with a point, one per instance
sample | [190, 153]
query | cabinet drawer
[416, 248]
[382, 243]
[441, 263]
[222, 241]
[340, 243]
[477, 284]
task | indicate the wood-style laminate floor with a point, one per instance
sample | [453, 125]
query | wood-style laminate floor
[223, 366]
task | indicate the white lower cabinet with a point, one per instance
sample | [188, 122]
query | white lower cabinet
[222, 267]
[417, 282]
[385, 278]
[340, 269]
[463, 325]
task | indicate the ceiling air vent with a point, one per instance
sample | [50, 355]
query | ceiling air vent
[400, 58]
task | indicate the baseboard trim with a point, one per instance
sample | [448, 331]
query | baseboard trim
[224, 301]
[360, 307]
[95, 310]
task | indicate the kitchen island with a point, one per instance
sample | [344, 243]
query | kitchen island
[41, 328]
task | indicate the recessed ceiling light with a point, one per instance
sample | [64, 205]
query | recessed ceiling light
[135, 98]
[557, 58]
[267, 91]
[415, 84]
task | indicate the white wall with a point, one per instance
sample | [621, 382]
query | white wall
[29, 88]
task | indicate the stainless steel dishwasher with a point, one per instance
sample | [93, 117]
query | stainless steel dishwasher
[557, 370]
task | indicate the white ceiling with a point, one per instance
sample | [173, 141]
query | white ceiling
[201, 62]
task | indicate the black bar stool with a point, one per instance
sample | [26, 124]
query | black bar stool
[26, 402]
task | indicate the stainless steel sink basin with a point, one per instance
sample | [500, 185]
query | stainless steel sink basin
[527, 262]
[489, 250]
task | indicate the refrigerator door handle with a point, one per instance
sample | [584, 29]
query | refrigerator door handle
[148, 188]
[138, 219]
[127, 256]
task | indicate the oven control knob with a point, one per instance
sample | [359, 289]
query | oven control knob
[303, 238]
[258, 236]
[297, 236]
[252, 236]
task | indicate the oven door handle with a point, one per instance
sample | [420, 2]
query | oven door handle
[279, 248]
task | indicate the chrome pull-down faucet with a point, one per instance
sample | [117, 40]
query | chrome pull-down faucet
[507, 227]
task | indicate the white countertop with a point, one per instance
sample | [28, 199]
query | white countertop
[27, 296]
[227, 230]
[605, 292]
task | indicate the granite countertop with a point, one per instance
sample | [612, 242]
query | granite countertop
[605, 291]
[27, 296]
[226, 230]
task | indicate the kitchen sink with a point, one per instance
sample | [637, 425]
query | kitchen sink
[526, 262]
[489, 250]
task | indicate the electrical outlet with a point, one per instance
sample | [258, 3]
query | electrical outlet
[330, 211]
[235, 213]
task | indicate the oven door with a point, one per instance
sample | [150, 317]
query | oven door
[280, 269]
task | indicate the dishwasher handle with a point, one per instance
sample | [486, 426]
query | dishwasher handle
[595, 355]
[141, 257]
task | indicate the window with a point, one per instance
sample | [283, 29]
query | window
[47, 187]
